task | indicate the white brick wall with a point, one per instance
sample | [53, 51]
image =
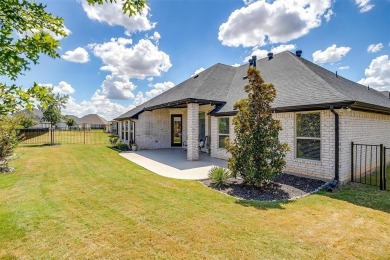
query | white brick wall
[359, 127]
[153, 128]
[363, 128]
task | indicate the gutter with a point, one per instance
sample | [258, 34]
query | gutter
[333, 184]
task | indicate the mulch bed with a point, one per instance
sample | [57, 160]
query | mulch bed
[283, 187]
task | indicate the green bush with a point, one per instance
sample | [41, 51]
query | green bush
[114, 139]
[122, 147]
[218, 176]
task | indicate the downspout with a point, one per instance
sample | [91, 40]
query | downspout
[331, 185]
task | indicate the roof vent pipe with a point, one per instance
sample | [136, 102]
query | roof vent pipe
[270, 55]
[298, 53]
[254, 58]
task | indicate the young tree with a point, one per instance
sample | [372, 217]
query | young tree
[52, 112]
[26, 120]
[257, 154]
[70, 122]
[8, 140]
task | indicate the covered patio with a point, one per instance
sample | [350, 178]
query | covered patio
[172, 163]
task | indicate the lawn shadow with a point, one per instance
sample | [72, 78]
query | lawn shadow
[361, 195]
[264, 205]
[31, 145]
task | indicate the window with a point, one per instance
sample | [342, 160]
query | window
[223, 131]
[127, 130]
[123, 130]
[202, 126]
[308, 136]
[132, 132]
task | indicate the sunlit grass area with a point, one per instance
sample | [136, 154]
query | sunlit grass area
[85, 201]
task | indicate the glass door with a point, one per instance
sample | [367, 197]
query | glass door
[176, 130]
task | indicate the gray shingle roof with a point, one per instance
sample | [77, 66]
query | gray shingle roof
[298, 83]
[75, 118]
[93, 119]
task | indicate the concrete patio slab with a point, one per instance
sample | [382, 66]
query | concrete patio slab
[173, 163]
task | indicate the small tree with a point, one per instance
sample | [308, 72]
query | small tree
[26, 121]
[257, 154]
[70, 122]
[8, 140]
[52, 112]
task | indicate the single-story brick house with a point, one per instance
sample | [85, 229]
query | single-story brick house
[340, 111]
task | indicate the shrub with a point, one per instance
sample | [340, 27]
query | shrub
[114, 139]
[8, 140]
[122, 147]
[218, 176]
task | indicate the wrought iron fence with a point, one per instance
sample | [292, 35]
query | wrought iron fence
[370, 164]
[63, 136]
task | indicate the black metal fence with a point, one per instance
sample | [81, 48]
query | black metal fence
[370, 164]
[63, 136]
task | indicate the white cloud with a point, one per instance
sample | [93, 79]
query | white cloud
[328, 15]
[344, 68]
[62, 88]
[259, 53]
[98, 104]
[364, 5]
[117, 87]
[141, 60]
[331, 54]
[79, 55]
[198, 71]
[139, 99]
[112, 14]
[375, 47]
[159, 88]
[378, 73]
[276, 21]
[247, 2]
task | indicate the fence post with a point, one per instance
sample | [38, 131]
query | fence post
[352, 163]
[381, 166]
[384, 167]
[84, 135]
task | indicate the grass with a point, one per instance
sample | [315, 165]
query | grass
[85, 201]
[374, 178]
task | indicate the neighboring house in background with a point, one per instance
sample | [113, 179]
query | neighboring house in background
[76, 120]
[94, 121]
[310, 102]
[41, 123]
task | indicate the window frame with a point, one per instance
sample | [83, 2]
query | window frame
[307, 138]
[225, 135]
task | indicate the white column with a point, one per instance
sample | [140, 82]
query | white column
[192, 132]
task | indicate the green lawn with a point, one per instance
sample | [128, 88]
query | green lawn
[85, 201]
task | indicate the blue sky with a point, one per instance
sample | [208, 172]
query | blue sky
[111, 62]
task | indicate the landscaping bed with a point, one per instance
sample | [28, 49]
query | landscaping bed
[283, 187]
